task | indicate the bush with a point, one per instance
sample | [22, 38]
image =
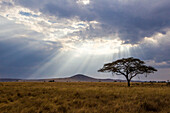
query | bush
[51, 81]
[148, 106]
[168, 83]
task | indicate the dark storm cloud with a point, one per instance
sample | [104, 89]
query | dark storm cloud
[6, 3]
[159, 53]
[132, 20]
[60, 8]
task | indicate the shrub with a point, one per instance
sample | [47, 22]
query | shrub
[51, 81]
[148, 106]
[168, 83]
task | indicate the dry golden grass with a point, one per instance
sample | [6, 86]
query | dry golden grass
[32, 97]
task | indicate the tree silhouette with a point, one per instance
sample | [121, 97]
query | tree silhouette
[128, 67]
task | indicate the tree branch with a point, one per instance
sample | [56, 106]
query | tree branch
[133, 76]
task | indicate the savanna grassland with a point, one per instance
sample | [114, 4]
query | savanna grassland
[83, 97]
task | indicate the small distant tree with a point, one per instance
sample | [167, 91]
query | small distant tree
[51, 81]
[128, 67]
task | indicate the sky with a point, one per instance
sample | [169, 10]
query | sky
[61, 38]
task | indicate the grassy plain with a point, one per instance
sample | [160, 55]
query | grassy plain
[81, 97]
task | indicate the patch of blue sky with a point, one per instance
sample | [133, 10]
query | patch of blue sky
[81, 25]
[27, 14]
[51, 21]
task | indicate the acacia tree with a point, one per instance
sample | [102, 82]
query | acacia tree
[128, 67]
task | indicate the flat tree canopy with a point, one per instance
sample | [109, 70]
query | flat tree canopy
[128, 67]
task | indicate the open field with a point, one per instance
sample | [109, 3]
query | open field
[83, 97]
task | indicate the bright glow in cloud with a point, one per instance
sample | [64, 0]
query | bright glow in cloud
[157, 39]
[152, 62]
[95, 47]
[85, 2]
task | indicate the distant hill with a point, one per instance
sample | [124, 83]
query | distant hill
[80, 78]
[74, 78]
[8, 80]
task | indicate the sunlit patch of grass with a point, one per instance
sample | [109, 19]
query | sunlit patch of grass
[82, 97]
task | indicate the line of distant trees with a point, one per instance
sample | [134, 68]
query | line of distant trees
[159, 81]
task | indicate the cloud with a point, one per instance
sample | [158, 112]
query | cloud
[155, 48]
[132, 20]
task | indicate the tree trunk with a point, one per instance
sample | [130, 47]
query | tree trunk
[128, 81]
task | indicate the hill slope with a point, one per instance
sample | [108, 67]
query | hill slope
[83, 78]
[75, 78]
